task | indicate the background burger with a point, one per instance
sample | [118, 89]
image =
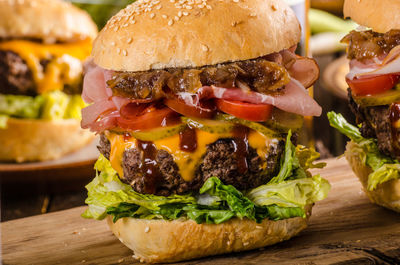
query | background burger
[197, 104]
[374, 96]
[42, 48]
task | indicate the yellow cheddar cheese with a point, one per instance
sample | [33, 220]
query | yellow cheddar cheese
[187, 162]
[65, 61]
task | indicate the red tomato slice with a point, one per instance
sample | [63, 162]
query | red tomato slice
[243, 110]
[372, 85]
[145, 117]
[205, 111]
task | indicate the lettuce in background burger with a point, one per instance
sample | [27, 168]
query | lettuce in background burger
[374, 96]
[198, 104]
[43, 45]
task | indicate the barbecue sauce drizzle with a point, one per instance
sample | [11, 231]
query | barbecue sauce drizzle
[188, 140]
[188, 143]
[149, 166]
[241, 147]
[395, 131]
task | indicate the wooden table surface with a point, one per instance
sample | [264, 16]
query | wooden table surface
[344, 229]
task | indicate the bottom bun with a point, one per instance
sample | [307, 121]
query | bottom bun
[156, 241]
[386, 194]
[38, 140]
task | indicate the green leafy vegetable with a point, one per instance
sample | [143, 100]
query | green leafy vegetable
[50, 106]
[21, 106]
[384, 168]
[291, 193]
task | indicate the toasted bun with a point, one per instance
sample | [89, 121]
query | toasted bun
[49, 21]
[386, 194]
[157, 241]
[162, 34]
[38, 140]
[381, 16]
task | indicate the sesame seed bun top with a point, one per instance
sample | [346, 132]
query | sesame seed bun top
[156, 34]
[50, 21]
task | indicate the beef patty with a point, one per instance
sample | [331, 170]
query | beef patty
[375, 123]
[16, 78]
[218, 161]
[15, 75]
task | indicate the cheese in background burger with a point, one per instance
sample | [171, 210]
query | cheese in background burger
[374, 97]
[43, 45]
[198, 106]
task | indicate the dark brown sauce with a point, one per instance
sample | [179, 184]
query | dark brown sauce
[188, 140]
[149, 166]
[241, 145]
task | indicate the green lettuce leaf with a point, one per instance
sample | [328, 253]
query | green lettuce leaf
[291, 193]
[235, 200]
[21, 106]
[384, 168]
[106, 190]
[338, 122]
[50, 106]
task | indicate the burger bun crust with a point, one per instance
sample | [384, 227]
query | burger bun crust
[381, 16]
[386, 194]
[160, 241]
[169, 35]
[50, 21]
[38, 140]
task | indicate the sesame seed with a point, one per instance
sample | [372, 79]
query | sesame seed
[189, 7]
[204, 47]
[236, 1]
[152, 15]
[129, 41]
[185, 13]
[164, 16]
[170, 22]
[133, 22]
[124, 52]
[147, 229]
[113, 43]
[159, 7]
[253, 14]
[172, 1]
[208, 7]
[176, 18]
[116, 28]
[179, 13]
[118, 50]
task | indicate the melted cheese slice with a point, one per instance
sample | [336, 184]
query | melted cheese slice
[65, 61]
[187, 162]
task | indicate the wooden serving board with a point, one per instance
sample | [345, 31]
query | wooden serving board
[344, 229]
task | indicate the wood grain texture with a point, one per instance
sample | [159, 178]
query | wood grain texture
[344, 229]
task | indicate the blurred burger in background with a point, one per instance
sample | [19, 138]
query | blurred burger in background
[374, 96]
[43, 45]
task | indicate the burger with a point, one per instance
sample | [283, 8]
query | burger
[374, 96]
[43, 45]
[198, 105]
